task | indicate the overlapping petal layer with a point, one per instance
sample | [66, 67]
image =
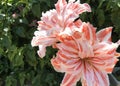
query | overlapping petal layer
[89, 56]
[56, 21]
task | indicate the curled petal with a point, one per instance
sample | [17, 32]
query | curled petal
[38, 40]
[84, 7]
[105, 48]
[62, 63]
[56, 64]
[38, 35]
[72, 11]
[42, 37]
[105, 34]
[105, 56]
[42, 50]
[70, 80]
[34, 42]
[42, 40]
[59, 63]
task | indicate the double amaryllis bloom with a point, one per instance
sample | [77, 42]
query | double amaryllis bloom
[56, 21]
[87, 56]
[83, 54]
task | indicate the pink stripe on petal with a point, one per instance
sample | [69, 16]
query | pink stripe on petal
[105, 34]
[95, 77]
[86, 49]
[60, 5]
[89, 32]
[62, 58]
[38, 40]
[78, 23]
[83, 8]
[101, 78]
[70, 80]
[56, 65]
[67, 49]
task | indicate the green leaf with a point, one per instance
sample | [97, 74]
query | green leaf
[36, 80]
[100, 3]
[47, 2]
[36, 9]
[115, 17]
[25, 21]
[1, 51]
[16, 56]
[30, 56]
[100, 17]
[5, 41]
[18, 59]
[10, 81]
[22, 78]
[20, 31]
[49, 77]
[12, 52]
[25, 11]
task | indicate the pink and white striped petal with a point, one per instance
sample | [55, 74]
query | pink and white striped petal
[70, 80]
[105, 34]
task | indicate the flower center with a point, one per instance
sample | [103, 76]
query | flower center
[86, 60]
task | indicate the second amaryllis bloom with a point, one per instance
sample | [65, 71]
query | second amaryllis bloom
[55, 21]
[88, 56]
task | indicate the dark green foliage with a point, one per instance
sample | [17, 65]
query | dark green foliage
[19, 62]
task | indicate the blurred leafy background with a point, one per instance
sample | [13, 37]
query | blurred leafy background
[19, 62]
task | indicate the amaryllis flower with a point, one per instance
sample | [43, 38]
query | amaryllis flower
[88, 56]
[55, 21]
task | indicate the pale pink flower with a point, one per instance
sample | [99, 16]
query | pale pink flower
[55, 21]
[87, 56]
[15, 15]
